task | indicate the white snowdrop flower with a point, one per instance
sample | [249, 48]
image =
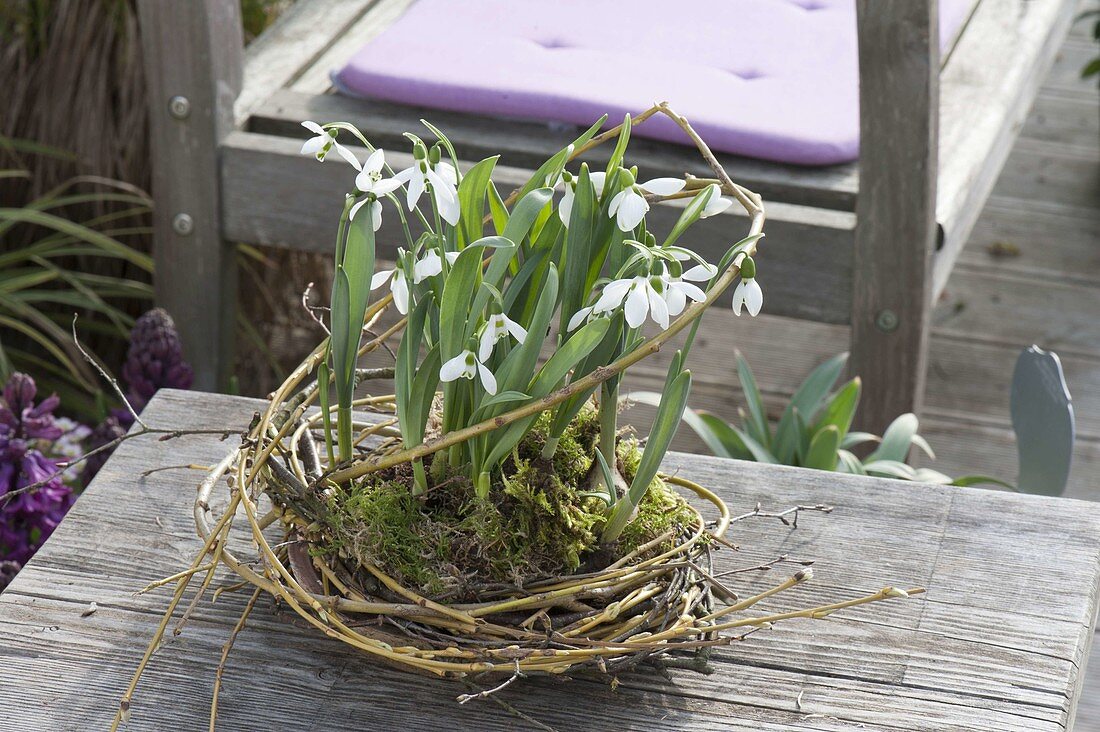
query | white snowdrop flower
[748, 292]
[639, 296]
[324, 140]
[679, 289]
[578, 317]
[498, 326]
[715, 204]
[566, 205]
[629, 206]
[466, 366]
[369, 182]
[443, 179]
[427, 266]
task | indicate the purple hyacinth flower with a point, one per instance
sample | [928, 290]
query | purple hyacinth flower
[154, 360]
[27, 432]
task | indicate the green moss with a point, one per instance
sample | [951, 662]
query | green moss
[534, 524]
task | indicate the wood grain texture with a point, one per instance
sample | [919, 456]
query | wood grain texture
[996, 644]
[986, 91]
[895, 214]
[297, 38]
[807, 251]
[193, 50]
[528, 144]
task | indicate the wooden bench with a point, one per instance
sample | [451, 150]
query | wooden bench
[999, 641]
[868, 244]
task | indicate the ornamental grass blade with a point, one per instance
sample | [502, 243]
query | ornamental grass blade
[689, 216]
[405, 372]
[719, 437]
[757, 424]
[664, 428]
[471, 200]
[578, 248]
[454, 307]
[840, 409]
[822, 454]
[812, 393]
[896, 440]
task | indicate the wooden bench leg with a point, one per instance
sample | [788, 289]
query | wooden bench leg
[193, 67]
[895, 212]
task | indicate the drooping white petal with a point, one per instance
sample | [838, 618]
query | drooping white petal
[754, 297]
[416, 189]
[406, 175]
[314, 127]
[429, 266]
[616, 201]
[690, 290]
[356, 207]
[658, 309]
[382, 187]
[487, 379]
[375, 161]
[515, 330]
[451, 257]
[380, 278]
[675, 299]
[566, 206]
[631, 211]
[700, 273]
[376, 215]
[578, 317]
[442, 187]
[738, 298]
[486, 342]
[447, 172]
[449, 207]
[347, 155]
[662, 186]
[637, 305]
[612, 296]
[715, 204]
[598, 180]
[399, 286]
[314, 145]
[456, 368]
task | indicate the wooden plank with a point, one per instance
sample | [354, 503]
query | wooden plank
[806, 259]
[1051, 244]
[990, 648]
[301, 34]
[528, 144]
[987, 89]
[1088, 706]
[1071, 120]
[895, 233]
[192, 54]
[1065, 75]
[1052, 177]
[316, 78]
[1014, 309]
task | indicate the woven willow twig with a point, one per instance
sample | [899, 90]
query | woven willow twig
[643, 607]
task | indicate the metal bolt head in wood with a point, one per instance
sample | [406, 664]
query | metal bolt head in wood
[179, 107]
[886, 321]
[183, 224]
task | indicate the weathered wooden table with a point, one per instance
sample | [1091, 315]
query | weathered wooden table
[998, 643]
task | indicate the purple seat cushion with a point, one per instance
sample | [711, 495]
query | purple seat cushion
[772, 79]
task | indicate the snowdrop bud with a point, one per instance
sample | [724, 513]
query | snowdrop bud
[567, 176]
[650, 240]
[435, 154]
[630, 177]
[748, 268]
[419, 151]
